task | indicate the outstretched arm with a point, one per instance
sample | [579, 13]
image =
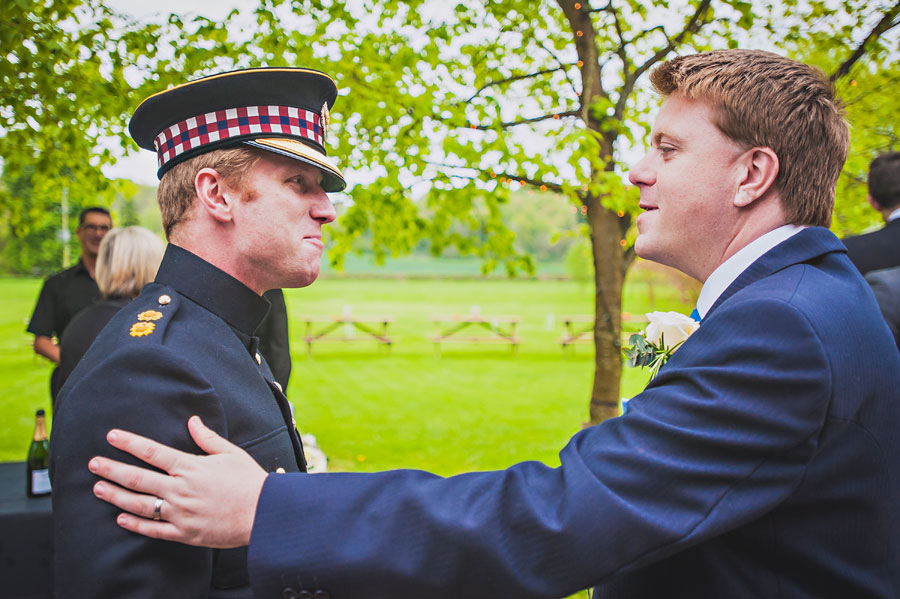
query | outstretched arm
[45, 346]
[208, 501]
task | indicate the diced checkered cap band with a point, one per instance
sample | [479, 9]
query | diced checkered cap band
[234, 122]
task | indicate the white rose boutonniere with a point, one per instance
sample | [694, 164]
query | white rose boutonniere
[665, 333]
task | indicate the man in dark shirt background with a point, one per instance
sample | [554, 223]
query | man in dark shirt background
[877, 254]
[67, 292]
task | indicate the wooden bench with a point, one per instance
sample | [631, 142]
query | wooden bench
[579, 328]
[502, 329]
[372, 327]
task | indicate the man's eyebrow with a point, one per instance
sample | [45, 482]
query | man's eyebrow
[313, 174]
[659, 136]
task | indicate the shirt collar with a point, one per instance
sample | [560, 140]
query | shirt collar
[214, 289]
[894, 215]
[80, 267]
[728, 271]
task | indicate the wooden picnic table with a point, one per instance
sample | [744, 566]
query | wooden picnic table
[580, 328]
[341, 327]
[501, 329]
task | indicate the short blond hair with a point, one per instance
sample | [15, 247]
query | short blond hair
[128, 259]
[176, 192]
[761, 99]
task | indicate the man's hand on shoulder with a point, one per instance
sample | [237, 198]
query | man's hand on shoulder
[207, 501]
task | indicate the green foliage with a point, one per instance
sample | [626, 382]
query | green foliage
[827, 37]
[72, 72]
[580, 261]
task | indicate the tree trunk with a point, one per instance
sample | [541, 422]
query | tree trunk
[609, 274]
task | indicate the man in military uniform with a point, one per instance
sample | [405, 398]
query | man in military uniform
[243, 198]
[67, 292]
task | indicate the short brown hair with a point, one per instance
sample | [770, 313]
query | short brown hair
[884, 180]
[176, 191]
[762, 99]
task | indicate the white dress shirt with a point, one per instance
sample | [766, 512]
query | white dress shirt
[728, 271]
[894, 215]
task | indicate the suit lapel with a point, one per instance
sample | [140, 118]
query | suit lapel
[806, 245]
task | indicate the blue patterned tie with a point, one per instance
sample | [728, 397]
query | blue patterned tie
[696, 315]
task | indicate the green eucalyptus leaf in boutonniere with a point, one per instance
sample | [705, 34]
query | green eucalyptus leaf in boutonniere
[665, 333]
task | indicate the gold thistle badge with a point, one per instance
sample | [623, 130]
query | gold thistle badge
[141, 329]
[148, 315]
[326, 118]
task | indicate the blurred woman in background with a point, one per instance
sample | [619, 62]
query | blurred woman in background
[128, 259]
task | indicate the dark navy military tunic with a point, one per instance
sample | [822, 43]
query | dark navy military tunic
[185, 346]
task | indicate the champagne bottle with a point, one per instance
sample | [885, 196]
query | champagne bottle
[39, 459]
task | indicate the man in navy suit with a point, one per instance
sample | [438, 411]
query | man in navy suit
[880, 249]
[762, 461]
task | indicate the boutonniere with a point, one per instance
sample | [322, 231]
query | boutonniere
[665, 333]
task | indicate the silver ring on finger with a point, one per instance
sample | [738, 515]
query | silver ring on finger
[156, 507]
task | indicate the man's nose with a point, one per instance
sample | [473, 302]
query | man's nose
[323, 210]
[641, 173]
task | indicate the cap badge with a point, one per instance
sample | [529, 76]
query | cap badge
[325, 118]
[148, 315]
[141, 329]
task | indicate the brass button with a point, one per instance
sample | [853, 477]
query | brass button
[278, 386]
[258, 358]
[164, 299]
[279, 470]
[294, 422]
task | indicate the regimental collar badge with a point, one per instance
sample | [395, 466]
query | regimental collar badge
[141, 329]
[326, 119]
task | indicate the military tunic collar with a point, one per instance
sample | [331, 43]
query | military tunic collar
[212, 288]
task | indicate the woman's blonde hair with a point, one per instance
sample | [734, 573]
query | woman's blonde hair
[128, 259]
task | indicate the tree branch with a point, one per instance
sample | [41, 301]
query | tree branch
[647, 32]
[494, 175]
[695, 22]
[885, 24]
[620, 50]
[533, 182]
[513, 78]
[561, 66]
[444, 165]
[601, 9]
[536, 119]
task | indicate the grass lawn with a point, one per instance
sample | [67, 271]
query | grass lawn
[472, 407]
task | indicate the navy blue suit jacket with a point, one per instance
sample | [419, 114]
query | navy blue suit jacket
[184, 346]
[763, 461]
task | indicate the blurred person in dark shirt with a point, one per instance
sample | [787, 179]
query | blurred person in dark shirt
[128, 259]
[66, 293]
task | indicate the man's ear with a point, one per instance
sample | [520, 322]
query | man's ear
[760, 170]
[215, 198]
[874, 203]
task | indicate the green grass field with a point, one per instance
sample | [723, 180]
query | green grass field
[472, 407]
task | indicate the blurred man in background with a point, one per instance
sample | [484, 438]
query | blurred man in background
[880, 249]
[66, 293]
